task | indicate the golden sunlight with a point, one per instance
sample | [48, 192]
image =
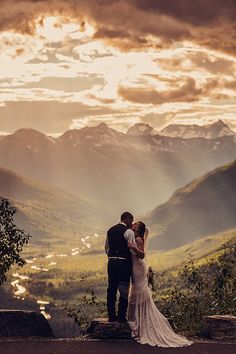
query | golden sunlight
[56, 28]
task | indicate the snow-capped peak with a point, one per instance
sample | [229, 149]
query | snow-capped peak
[141, 129]
[210, 131]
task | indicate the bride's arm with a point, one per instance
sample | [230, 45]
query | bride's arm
[140, 243]
[137, 247]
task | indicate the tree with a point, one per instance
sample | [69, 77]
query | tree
[12, 240]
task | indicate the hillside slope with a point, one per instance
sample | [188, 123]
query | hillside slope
[209, 247]
[48, 214]
[205, 206]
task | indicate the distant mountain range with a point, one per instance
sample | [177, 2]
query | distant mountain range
[50, 215]
[205, 206]
[210, 131]
[111, 170]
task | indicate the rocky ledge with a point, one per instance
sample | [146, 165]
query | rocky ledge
[17, 323]
[221, 327]
[100, 328]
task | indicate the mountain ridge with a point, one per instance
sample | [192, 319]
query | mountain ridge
[209, 131]
[97, 162]
[48, 214]
[204, 206]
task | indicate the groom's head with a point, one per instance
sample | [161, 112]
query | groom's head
[127, 218]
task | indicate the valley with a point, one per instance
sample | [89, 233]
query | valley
[49, 281]
[69, 190]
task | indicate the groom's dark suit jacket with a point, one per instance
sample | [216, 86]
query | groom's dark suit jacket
[117, 243]
[119, 271]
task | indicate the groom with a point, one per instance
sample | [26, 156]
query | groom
[119, 266]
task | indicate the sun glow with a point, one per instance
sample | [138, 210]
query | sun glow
[56, 28]
[66, 59]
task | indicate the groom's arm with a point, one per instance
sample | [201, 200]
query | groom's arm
[130, 237]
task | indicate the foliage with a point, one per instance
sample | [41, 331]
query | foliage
[12, 240]
[200, 290]
[89, 307]
[61, 284]
[203, 290]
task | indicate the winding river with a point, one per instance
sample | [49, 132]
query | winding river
[19, 290]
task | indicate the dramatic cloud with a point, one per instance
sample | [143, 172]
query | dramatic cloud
[118, 62]
[186, 92]
[152, 22]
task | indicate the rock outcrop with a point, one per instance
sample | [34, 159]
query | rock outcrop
[18, 323]
[100, 328]
[220, 327]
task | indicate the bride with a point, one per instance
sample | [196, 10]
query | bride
[147, 324]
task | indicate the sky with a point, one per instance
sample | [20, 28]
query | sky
[74, 63]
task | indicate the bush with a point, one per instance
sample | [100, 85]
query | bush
[203, 290]
[199, 291]
[12, 240]
[89, 307]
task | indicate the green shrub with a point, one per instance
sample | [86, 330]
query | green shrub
[89, 307]
[12, 240]
[202, 290]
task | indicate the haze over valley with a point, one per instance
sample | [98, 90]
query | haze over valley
[112, 171]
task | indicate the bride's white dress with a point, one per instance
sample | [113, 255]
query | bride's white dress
[147, 324]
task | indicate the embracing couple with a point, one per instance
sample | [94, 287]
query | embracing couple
[125, 248]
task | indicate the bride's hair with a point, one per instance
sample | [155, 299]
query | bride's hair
[143, 232]
[141, 229]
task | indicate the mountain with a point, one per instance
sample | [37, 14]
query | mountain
[205, 206]
[210, 131]
[112, 170]
[50, 215]
[141, 129]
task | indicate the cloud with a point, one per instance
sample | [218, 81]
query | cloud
[70, 84]
[134, 23]
[46, 116]
[196, 12]
[212, 64]
[147, 59]
[187, 92]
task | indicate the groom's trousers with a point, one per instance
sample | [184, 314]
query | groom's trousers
[119, 272]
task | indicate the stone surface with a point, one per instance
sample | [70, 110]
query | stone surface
[17, 323]
[100, 328]
[219, 327]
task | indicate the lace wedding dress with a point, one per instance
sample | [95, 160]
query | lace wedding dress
[147, 324]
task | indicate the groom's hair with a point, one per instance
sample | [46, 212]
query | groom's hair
[126, 215]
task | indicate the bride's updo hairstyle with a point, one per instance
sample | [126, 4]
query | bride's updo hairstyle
[141, 229]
